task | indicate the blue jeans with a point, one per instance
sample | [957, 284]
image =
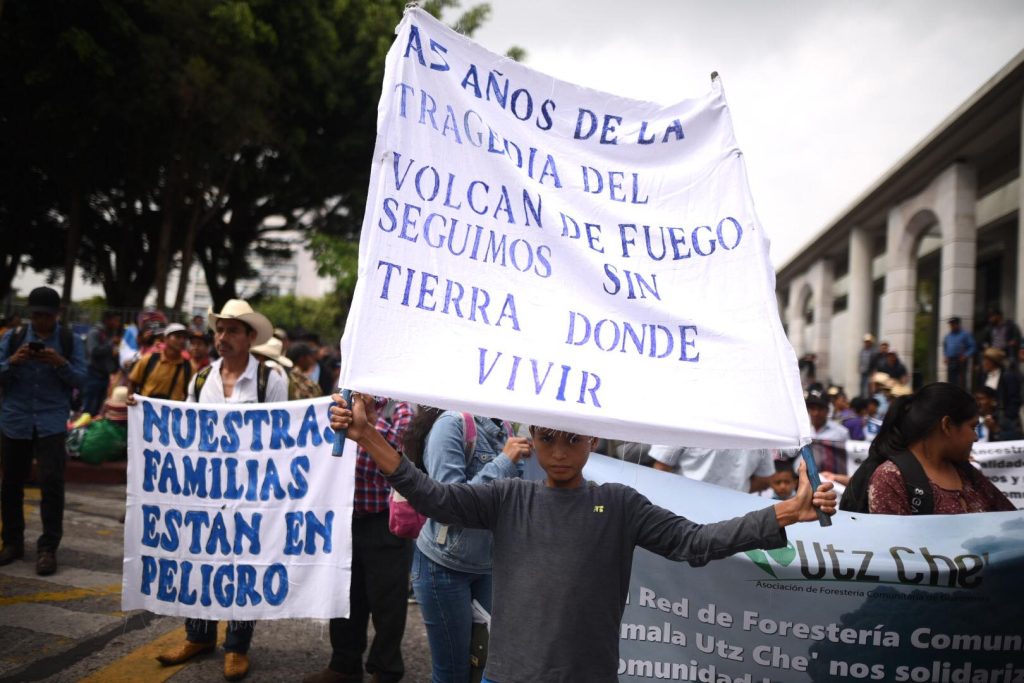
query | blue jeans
[446, 602]
[94, 392]
[238, 638]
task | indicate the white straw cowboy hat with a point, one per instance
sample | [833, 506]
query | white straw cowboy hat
[238, 309]
[273, 350]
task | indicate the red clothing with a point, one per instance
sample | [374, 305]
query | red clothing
[372, 489]
[887, 494]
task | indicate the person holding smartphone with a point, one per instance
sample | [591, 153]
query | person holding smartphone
[40, 366]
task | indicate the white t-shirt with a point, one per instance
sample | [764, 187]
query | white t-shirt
[728, 467]
[245, 390]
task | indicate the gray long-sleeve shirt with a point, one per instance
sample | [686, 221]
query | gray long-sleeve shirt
[562, 562]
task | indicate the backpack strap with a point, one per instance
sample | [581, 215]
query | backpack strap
[919, 489]
[201, 377]
[16, 339]
[67, 341]
[151, 362]
[262, 376]
[468, 436]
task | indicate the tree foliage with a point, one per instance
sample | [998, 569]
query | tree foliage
[136, 136]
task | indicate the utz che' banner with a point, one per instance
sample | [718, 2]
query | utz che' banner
[935, 598]
[237, 511]
[555, 255]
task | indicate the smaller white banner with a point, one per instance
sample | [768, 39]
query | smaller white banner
[1001, 461]
[237, 511]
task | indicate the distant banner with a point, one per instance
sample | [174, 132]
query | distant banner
[871, 598]
[1001, 461]
[237, 511]
[549, 254]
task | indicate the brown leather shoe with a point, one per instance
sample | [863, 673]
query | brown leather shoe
[236, 666]
[331, 676]
[46, 562]
[10, 553]
[184, 652]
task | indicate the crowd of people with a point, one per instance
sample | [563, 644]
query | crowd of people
[492, 547]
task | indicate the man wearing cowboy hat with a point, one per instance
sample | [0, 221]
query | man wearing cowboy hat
[235, 377]
[299, 386]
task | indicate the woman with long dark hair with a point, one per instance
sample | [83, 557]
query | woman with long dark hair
[926, 436]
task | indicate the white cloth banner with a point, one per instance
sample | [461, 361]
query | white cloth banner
[549, 254]
[934, 598]
[1001, 461]
[237, 511]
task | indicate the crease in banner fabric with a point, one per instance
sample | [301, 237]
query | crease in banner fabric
[549, 254]
[936, 598]
[237, 511]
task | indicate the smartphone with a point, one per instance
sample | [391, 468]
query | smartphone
[36, 346]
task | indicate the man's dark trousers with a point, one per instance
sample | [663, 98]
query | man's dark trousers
[16, 456]
[380, 586]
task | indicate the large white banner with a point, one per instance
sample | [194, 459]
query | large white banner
[555, 255]
[872, 598]
[1001, 461]
[237, 511]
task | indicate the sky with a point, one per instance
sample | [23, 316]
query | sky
[825, 96]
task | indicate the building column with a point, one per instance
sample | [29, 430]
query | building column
[859, 289]
[898, 301]
[954, 206]
[1020, 229]
[795, 315]
[821, 278]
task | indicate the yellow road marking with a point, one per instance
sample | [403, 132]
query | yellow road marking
[140, 664]
[62, 596]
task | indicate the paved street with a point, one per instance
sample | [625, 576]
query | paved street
[69, 627]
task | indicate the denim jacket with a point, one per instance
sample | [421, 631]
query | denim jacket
[464, 550]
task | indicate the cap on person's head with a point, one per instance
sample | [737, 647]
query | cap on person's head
[239, 309]
[43, 300]
[280, 333]
[995, 355]
[869, 337]
[815, 397]
[199, 334]
[272, 349]
[155, 327]
[173, 328]
[955, 320]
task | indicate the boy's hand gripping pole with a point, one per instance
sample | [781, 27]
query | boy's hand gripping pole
[812, 475]
[340, 434]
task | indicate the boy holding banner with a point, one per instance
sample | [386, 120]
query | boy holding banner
[563, 550]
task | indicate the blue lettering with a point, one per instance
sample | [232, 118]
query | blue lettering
[279, 435]
[256, 419]
[225, 594]
[186, 596]
[148, 574]
[271, 479]
[150, 515]
[314, 528]
[207, 423]
[196, 519]
[150, 419]
[195, 477]
[299, 486]
[309, 429]
[247, 586]
[218, 536]
[166, 592]
[275, 571]
[244, 529]
[169, 539]
[169, 474]
[151, 458]
[292, 533]
[229, 443]
[183, 440]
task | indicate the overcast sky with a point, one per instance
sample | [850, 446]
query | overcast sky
[825, 96]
